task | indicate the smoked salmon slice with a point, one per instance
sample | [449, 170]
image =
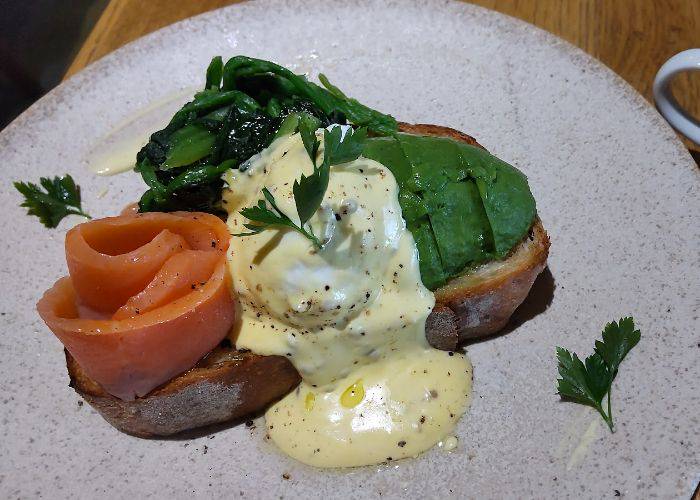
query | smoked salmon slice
[147, 297]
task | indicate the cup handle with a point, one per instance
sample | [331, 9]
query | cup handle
[680, 119]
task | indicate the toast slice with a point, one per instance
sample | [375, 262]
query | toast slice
[481, 301]
[225, 385]
[228, 384]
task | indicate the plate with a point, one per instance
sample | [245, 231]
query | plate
[615, 188]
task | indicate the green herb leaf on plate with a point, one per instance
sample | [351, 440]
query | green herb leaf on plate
[588, 383]
[618, 340]
[60, 198]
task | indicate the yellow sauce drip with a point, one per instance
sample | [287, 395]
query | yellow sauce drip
[115, 152]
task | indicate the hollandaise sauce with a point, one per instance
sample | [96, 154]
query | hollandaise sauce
[350, 316]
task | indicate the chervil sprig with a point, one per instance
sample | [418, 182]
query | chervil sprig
[60, 197]
[588, 382]
[308, 190]
[266, 218]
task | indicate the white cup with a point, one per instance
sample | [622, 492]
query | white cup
[680, 119]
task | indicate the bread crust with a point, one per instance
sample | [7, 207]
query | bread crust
[481, 301]
[226, 385]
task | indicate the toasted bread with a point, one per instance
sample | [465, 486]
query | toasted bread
[226, 385]
[481, 301]
[229, 384]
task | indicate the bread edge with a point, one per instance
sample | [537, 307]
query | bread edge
[213, 392]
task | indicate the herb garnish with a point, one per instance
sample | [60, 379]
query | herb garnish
[265, 218]
[588, 383]
[308, 190]
[62, 198]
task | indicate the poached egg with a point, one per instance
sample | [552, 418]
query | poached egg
[349, 316]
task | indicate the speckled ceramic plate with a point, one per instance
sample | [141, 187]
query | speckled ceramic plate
[615, 188]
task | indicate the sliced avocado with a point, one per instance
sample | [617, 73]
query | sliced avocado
[460, 225]
[463, 205]
[433, 160]
[388, 152]
[431, 271]
[506, 196]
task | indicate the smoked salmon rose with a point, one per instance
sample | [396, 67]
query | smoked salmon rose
[147, 297]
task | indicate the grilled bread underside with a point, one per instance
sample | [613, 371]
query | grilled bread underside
[225, 385]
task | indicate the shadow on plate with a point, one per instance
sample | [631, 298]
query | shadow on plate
[537, 302]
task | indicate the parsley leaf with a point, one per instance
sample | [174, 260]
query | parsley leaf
[307, 130]
[61, 197]
[337, 148]
[265, 218]
[308, 190]
[588, 383]
[618, 340]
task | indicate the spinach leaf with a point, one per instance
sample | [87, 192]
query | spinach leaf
[246, 103]
[329, 101]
